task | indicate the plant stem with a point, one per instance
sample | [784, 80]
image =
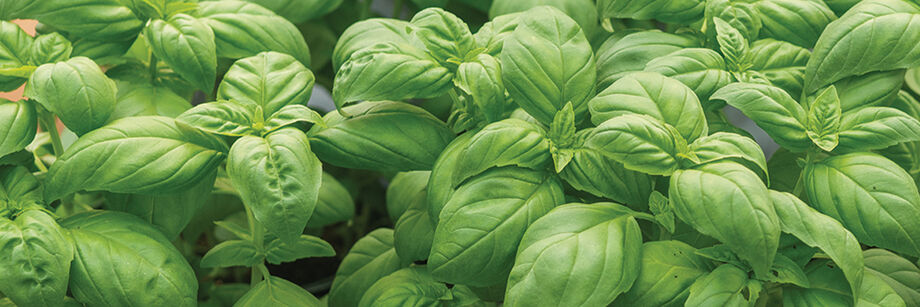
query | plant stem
[153, 67]
[365, 10]
[46, 119]
[257, 236]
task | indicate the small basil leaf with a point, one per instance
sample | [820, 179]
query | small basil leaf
[482, 80]
[786, 271]
[367, 33]
[187, 45]
[507, 142]
[291, 114]
[640, 142]
[242, 29]
[701, 69]
[76, 91]
[222, 117]
[491, 36]
[409, 286]
[50, 48]
[723, 145]
[772, 109]
[739, 16]
[824, 119]
[270, 80]
[370, 259]
[333, 205]
[732, 43]
[21, 122]
[594, 172]
[875, 128]
[446, 36]
[305, 246]
[15, 45]
[721, 287]
[232, 253]
[278, 292]
[18, 187]
[35, 258]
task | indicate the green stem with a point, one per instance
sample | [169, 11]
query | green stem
[153, 67]
[46, 119]
[799, 183]
[257, 239]
[365, 10]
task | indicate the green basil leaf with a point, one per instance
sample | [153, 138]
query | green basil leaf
[243, 29]
[414, 231]
[504, 143]
[827, 287]
[721, 287]
[441, 183]
[478, 233]
[35, 258]
[143, 98]
[50, 48]
[291, 114]
[824, 119]
[847, 46]
[21, 122]
[140, 154]
[546, 63]
[640, 142]
[821, 231]
[786, 271]
[732, 43]
[121, 260]
[12, 9]
[491, 36]
[902, 275]
[186, 44]
[723, 145]
[445, 36]
[169, 212]
[729, 202]
[305, 246]
[277, 292]
[654, 95]
[796, 21]
[701, 69]
[278, 178]
[333, 205]
[870, 89]
[620, 56]
[100, 19]
[582, 11]
[405, 190]
[583, 253]
[772, 109]
[270, 80]
[482, 80]
[15, 52]
[875, 292]
[232, 253]
[782, 63]
[740, 17]
[385, 135]
[390, 71]
[874, 128]
[76, 91]
[104, 52]
[298, 11]
[222, 117]
[860, 187]
[666, 271]
[367, 33]
[370, 259]
[592, 171]
[18, 187]
[670, 11]
[841, 6]
[412, 286]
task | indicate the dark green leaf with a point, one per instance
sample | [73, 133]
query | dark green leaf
[412, 286]
[275, 291]
[667, 270]
[370, 259]
[35, 255]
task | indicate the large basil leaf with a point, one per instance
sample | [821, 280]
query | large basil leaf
[278, 178]
[276, 291]
[35, 257]
[221, 117]
[827, 287]
[797, 21]
[123, 261]
[654, 95]
[414, 231]
[298, 11]
[546, 63]
[139, 99]
[76, 91]
[582, 11]
[848, 46]
[670, 11]
[18, 187]
[667, 270]
[577, 254]
[21, 122]
[367, 33]
[412, 286]
[721, 287]
[821, 231]
[592, 171]
[384, 135]
[101, 19]
[445, 36]
[491, 36]
[478, 232]
[701, 69]
[270, 80]
[729, 202]
[871, 196]
[14, 52]
[507, 142]
[874, 128]
[370, 259]
[169, 212]
[902, 275]
[390, 71]
[640, 142]
[243, 29]
[333, 205]
[147, 154]
[620, 56]
[441, 183]
[871, 89]
[187, 45]
[782, 63]
[724, 145]
[772, 109]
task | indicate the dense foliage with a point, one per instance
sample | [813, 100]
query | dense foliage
[562, 153]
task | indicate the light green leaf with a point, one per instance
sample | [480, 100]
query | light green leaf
[701, 69]
[298, 11]
[370, 259]
[405, 190]
[243, 29]
[899, 273]
[782, 63]
[482, 80]
[270, 80]
[441, 185]
[491, 36]
[730, 203]
[577, 254]
[232, 253]
[738, 15]
[797, 21]
[100, 19]
[276, 291]
[640, 142]
[504, 143]
[186, 44]
[874, 128]
[15, 45]
[445, 36]
[292, 114]
[21, 123]
[582, 11]
[50, 48]
[18, 187]
[385, 135]
[412, 286]
[620, 56]
[594, 172]
[824, 119]
[654, 95]
[169, 212]
[721, 287]
[278, 178]
[546, 63]
[772, 109]
[723, 145]
[305, 246]
[367, 33]
[669, 11]
[414, 231]
[222, 117]
[76, 91]
[123, 261]
[140, 154]
[666, 271]
[478, 233]
[732, 43]
[870, 89]
[139, 99]
[871, 196]
[334, 204]
[35, 258]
